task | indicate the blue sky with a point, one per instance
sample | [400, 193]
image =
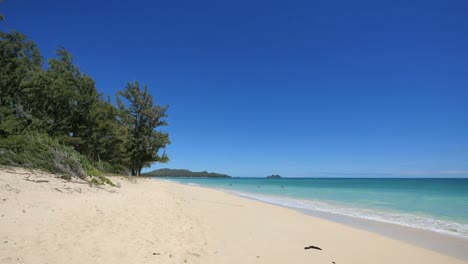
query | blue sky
[297, 88]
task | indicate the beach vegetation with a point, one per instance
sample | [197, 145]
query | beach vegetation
[40, 151]
[141, 117]
[54, 117]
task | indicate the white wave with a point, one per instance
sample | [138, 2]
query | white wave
[404, 219]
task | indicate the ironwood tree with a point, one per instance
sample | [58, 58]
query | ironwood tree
[141, 118]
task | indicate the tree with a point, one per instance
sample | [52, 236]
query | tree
[19, 57]
[19, 61]
[106, 135]
[63, 104]
[62, 98]
[1, 16]
[141, 118]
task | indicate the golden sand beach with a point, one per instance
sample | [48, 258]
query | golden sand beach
[45, 219]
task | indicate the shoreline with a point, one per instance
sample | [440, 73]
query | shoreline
[443, 243]
[45, 219]
[444, 216]
[447, 244]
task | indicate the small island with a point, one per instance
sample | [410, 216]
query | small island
[184, 174]
[274, 176]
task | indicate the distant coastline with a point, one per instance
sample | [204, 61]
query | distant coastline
[183, 173]
[274, 176]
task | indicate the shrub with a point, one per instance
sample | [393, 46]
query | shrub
[111, 168]
[39, 151]
[28, 151]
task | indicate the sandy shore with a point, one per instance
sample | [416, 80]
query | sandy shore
[48, 220]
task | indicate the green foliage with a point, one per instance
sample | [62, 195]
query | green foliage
[29, 151]
[55, 119]
[106, 136]
[141, 118]
[62, 98]
[19, 58]
[40, 151]
[9, 123]
[101, 180]
[113, 168]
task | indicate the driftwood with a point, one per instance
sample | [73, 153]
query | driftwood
[313, 247]
[15, 172]
[36, 181]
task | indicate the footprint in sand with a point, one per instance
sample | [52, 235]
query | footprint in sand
[9, 188]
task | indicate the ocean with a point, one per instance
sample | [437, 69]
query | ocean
[439, 205]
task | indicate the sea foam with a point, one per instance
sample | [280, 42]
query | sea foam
[404, 219]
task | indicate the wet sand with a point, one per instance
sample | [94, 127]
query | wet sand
[49, 220]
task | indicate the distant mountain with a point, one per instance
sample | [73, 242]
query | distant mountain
[274, 176]
[184, 173]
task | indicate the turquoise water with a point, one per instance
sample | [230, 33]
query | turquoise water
[439, 205]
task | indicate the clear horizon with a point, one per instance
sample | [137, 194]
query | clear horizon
[297, 88]
[359, 175]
